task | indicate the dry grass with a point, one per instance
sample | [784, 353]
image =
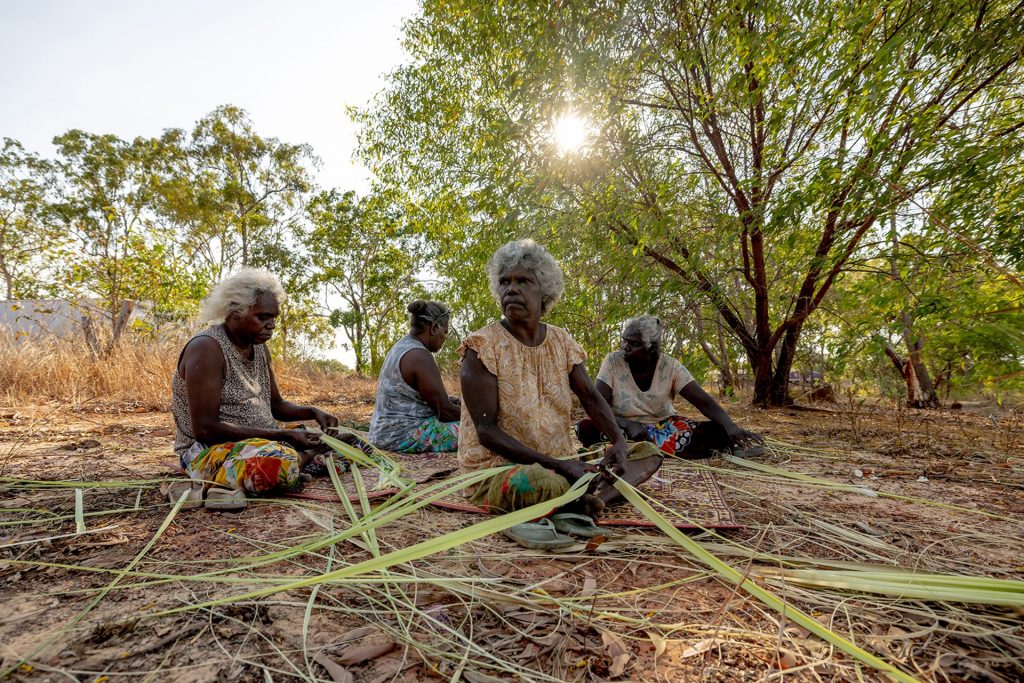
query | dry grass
[138, 371]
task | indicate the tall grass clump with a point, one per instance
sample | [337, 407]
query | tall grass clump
[138, 370]
[40, 370]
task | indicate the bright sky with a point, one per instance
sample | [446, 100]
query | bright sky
[136, 67]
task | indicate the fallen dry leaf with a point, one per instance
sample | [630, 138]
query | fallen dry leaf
[617, 652]
[338, 673]
[358, 654]
[659, 642]
[697, 648]
[784, 660]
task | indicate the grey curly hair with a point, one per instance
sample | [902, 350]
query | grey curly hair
[647, 326]
[238, 293]
[533, 257]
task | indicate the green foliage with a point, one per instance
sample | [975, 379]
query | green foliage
[364, 256]
[159, 220]
[26, 233]
[106, 192]
[745, 151]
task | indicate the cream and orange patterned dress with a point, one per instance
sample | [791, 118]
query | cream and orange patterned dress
[534, 397]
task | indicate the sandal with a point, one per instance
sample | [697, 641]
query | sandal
[578, 525]
[178, 487]
[223, 499]
[540, 535]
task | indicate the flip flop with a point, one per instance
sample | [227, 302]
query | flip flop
[179, 486]
[578, 525]
[223, 499]
[540, 535]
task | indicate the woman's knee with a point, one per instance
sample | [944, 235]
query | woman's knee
[587, 432]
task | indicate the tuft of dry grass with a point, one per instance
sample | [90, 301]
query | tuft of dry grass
[137, 371]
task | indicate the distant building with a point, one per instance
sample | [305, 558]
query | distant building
[51, 318]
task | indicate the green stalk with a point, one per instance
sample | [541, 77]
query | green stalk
[773, 601]
[414, 552]
[95, 601]
[79, 511]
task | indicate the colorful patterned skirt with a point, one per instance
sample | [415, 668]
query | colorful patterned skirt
[252, 465]
[671, 435]
[432, 436]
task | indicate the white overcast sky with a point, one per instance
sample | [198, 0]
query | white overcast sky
[136, 67]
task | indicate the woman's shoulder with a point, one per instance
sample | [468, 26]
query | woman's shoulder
[559, 334]
[673, 368]
[486, 336]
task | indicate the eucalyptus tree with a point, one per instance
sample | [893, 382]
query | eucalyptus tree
[364, 258]
[235, 190]
[748, 150]
[105, 203]
[26, 230]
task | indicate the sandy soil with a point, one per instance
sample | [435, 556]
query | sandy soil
[50, 576]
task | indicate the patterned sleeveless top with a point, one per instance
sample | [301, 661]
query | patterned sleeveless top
[244, 396]
[398, 408]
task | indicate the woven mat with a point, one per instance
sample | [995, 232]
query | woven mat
[680, 486]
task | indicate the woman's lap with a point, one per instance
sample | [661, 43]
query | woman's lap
[251, 465]
[432, 436]
[521, 486]
[674, 435]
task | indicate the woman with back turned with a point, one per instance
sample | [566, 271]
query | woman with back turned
[413, 412]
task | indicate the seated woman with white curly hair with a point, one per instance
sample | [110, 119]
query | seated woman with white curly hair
[226, 403]
[518, 378]
[640, 382]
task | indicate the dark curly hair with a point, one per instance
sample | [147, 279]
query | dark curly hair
[423, 313]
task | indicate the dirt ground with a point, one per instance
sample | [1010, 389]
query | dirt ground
[957, 506]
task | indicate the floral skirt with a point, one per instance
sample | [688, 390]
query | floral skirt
[671, 435]
[252, 466]
[432, 436]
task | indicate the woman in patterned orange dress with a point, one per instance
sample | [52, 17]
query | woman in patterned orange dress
[518, 377]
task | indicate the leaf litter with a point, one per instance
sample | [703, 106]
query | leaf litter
[866, 568]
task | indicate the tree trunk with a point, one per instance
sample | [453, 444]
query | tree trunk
[8, 279]
[729, 378]
[120, 322]
[720, 361]
[89, 332]
[917, 396]
[926, 396]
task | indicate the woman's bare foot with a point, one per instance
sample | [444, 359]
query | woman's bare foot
[591, 505]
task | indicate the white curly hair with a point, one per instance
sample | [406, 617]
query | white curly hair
[647, 326]
[533, 257]
[238, 293]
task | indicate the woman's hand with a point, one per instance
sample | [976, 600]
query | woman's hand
[634, 431]
[615, 458]
[741, 438]
[301, 439]
[324, 419]
[573, 469]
